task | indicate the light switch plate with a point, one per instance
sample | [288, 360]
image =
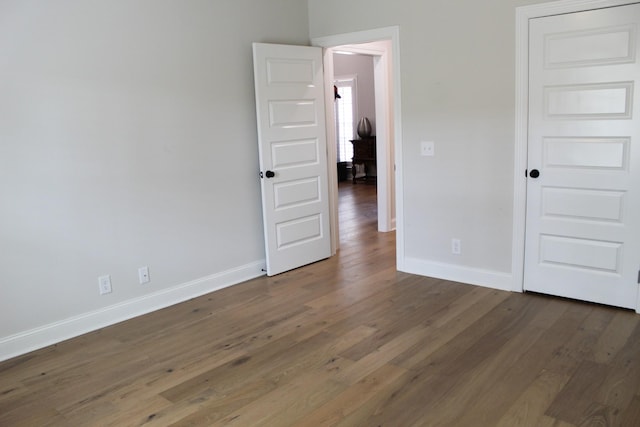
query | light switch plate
[427, 148]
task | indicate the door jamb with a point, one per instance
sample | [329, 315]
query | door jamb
[390, 34]
[523, 15]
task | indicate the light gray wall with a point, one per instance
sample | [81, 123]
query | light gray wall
[362, 67]
[127, 138]
[457, 76]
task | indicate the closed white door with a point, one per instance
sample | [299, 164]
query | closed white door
[583, 189]
[293, 157]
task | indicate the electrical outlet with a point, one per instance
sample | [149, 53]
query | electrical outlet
[427, 148]
[104, 283]
[455, 246]
[143, 275]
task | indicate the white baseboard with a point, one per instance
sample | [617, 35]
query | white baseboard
[52, 333]
[456, 273]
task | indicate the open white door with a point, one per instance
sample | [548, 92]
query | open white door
[293, 157]
[583, 190]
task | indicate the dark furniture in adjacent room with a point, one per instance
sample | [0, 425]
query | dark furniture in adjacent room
[364, 153]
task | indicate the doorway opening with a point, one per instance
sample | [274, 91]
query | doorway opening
[354, 104]
[379, 46]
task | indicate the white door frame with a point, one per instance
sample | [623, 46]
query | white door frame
[388, 124]
[523, 15]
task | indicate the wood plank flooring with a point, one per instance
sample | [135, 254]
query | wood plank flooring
[343, 342]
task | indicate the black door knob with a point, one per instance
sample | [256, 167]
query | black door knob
[270, 174]
[534, 173]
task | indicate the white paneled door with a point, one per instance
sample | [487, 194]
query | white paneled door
[293, 156]
[583, 185]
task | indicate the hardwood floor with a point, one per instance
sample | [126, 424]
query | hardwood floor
[346, 342]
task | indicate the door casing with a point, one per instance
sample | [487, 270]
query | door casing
[523, 15]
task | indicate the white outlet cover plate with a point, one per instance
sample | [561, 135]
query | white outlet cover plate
[104, 283]
[427, 148]
[143, 275]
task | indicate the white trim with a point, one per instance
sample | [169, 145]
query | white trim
[559, 7]
[383, 147]
[520, 149]
[393, 35]
[358, 37]
[332, 152]
[398, 147]
[52, 333]
[523, 15]
[457, 273]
